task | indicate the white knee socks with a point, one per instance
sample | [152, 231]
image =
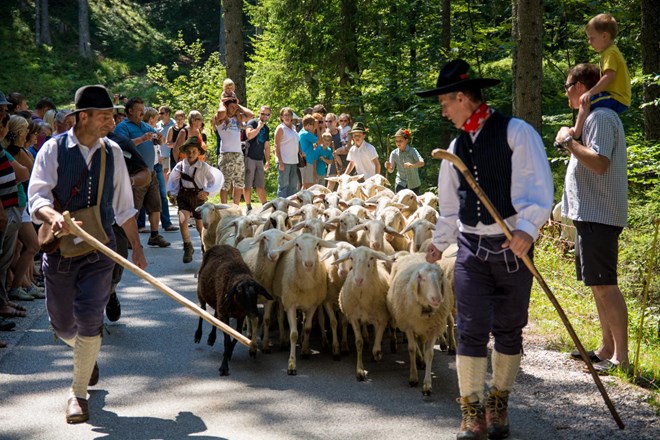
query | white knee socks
[505, 369]
[471, 377]
[84, 356]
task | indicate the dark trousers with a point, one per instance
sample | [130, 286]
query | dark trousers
[492, 295]
[122, 249]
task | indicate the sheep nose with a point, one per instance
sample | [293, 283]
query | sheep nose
[359, 281]
[375, 246]
[342, 273]
[309, 264]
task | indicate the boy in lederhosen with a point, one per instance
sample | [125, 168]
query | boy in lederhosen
[189, 182]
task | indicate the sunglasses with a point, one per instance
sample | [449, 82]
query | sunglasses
[569, 85]
[265, 114]
[343, 120]
[328, 121]
[161, 113]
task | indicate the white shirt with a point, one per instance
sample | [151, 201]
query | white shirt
[230, 134]
[363, 158]
[203, 177]
[289, 145]
[44, 177]
[532, 189]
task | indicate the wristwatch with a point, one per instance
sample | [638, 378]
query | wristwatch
[567, 141]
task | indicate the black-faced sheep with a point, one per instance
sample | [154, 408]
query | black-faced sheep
[226, 283]
[419, 301]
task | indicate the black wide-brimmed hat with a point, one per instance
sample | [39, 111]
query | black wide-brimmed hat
[192, 141]
[455, 76]
[95, 97]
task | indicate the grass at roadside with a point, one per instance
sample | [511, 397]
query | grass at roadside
[558, 270]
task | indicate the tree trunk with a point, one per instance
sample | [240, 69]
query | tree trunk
[221, 42]
[527, 33]
[650, 43]
[42, 28]
[348, 66]
[445, 134]
[233, 12]
[84, 43]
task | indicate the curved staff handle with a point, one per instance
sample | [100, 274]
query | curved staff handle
[78, 231]
[458, 163]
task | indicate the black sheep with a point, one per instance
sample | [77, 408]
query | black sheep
[226, 283]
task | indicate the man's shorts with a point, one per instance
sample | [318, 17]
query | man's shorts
[307, 173]
[148, 196]
[596, 253]
[254, 173]
[233, 168]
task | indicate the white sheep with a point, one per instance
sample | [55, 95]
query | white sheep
[363, 299]
[418, 301]
[422, 230]
[300, 282]
[279, 204]
[567, 228]
[409, 198]
[373, 235]
[211, 215]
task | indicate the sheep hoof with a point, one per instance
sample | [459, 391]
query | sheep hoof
[413, 383]
[210, 341]
[197, 340]
[451, 351]
[426, 392]
[361, 376]
[378, 356]
[291, 372]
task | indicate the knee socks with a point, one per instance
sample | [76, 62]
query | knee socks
[84, 356]
[471, 377]
[505, 369]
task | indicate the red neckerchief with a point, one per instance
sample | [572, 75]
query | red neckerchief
[477, 119]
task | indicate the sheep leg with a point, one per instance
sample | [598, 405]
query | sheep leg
[393, 340]
[324, 336]
[413, 378]
[293, 337]
[229, 349]
[344, 334]
[307, 332]
[330, 310]
[428, 359]
[280, 321]
[359, 345]
[376, 350]
[198, 333]
[212, 336]
[451, 343]
[254, 322]
[268, 308]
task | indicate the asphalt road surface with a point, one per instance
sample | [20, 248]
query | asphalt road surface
[157, 384]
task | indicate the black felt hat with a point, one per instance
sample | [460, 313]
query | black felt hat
[94, 97]
[455, 76]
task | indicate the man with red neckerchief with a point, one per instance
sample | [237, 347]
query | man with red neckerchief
[492, 286]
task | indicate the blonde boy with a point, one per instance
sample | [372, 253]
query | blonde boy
[613, 89]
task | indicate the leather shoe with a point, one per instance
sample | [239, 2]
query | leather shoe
[6, 325]
[77, 410]
[94, 378]
[113, 308]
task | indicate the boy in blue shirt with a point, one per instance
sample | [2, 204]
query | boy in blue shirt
[322, 158]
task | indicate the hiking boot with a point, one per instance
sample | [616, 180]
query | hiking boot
[113, 308]
[473, 422]
[497, 418]
[188, 252]
[159, 241]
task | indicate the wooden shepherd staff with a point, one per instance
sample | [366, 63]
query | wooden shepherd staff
[387, 173]
[78, 231]
[458, 163]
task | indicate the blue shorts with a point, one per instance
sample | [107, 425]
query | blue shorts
[605, 100]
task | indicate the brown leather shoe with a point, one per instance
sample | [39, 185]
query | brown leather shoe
[94, 378]
[497, 418]
[473, 422]
[77, 410]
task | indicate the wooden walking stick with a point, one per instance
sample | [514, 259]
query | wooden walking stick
[78, 231]
[387, 173]
[458, 163]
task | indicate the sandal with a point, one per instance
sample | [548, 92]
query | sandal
[8, 311]
[17, 306]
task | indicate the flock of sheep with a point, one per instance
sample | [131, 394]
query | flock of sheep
[354, 256]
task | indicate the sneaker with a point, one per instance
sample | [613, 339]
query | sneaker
[113, 308]
[171, 228]
[473, 421]
[497, 418]
[35, 292]
[159, 241]
[18, 294]
[188, 251]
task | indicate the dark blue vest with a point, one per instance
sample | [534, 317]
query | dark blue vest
[71, 166]
[489, 161]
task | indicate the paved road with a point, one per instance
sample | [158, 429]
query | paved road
[156, 383]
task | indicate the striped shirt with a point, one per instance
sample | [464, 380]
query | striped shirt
[406, 177]
[587, 196]
[8, 189]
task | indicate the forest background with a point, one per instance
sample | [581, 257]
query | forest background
[367, 58]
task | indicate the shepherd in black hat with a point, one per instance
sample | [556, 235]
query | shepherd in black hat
[67, 175]
[492, 286]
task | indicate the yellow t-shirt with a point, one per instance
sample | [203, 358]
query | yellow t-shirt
[612, 59]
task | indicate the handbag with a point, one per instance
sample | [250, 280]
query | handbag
[70, 245]
[302, 162]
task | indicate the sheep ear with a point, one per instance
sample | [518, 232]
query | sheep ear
[298, 227]
[327, 255]
[329, 226]
[358, 228]
[382, 256]
[290, 202]
[285, 247]
[229, 297]
[392, 231]
[345, 256]
[266, 206]
[407, 228]
[262, 291]
[327, 243]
